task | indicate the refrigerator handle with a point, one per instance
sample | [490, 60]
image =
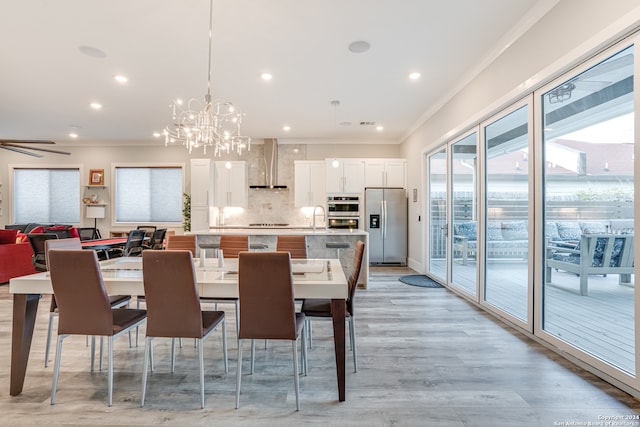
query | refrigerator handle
[382, 218]
[384, 221]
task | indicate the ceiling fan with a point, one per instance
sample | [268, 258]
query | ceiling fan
[15, 145]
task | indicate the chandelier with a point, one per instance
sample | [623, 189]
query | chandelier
[561, 93]
[214, 125]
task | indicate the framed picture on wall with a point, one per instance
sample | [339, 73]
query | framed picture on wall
[96, 177]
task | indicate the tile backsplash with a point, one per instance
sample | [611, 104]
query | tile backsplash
[268, 206]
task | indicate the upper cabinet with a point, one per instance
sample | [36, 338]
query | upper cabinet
[231, 188]
[344, 176]
[201, 191]
[309, 183]
[385, 173]
[201, 182]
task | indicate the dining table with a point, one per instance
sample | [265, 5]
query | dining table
[103, 244]
[312, 278]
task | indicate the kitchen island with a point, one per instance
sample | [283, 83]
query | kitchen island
[321, 243]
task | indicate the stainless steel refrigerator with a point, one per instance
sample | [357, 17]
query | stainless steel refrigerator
[386, 222]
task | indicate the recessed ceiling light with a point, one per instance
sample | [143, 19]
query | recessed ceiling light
[379, 128]
[286, 128]
[414, 76]
[359, 46]
[95, 105]
[266, 76]
[73, 135]
[120, 78]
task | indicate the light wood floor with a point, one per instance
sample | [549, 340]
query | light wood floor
[426, 357]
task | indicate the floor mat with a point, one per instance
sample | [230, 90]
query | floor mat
[420, 280]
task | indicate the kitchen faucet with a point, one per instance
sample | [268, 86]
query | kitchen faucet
[324, 216]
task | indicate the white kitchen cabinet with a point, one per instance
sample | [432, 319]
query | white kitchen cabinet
[309, 183]
[201, 182]
[385, 173]
[201, 190]
[344, 176]
[231, 188]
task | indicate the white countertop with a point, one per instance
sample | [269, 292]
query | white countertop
[274, 231]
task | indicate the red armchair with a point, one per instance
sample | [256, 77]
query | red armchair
[15, 260]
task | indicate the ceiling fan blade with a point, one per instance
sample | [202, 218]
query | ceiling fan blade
[20, 151]
[4, 144]
[26, 141]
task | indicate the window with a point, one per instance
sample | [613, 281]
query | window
[148, 194]
[46, 195]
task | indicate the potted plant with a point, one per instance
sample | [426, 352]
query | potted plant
[186, 212]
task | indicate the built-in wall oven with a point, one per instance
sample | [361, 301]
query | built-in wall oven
[343, 211]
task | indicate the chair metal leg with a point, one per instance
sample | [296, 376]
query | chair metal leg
[310, 333]
[238, 374]
[47, 346]
[296, 380]
[151, 354]
[173, 355]
[352, 335]
[237, 316]
[224, 345]
[128, 306]
[110, 343]
[93, 352]
[137, 327]
[201, 360]
[56, 369]
[253, 354]
[304, 352]
[101, 352]
[147, 353]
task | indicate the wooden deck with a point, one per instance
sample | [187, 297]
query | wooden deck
[600, 323]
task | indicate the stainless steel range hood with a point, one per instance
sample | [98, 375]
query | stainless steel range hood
[270, 160]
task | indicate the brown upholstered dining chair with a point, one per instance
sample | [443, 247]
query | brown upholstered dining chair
[173, 308]
[115, 301]
[231, 246]
[83, 305]
[295, 245]
[320, 309]
[267, 308]
[182, 242]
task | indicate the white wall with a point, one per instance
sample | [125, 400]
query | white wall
[103, 155]
[571, 31]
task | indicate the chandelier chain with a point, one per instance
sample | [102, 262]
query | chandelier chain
[215, 125]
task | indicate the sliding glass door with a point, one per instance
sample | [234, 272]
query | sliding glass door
[464, 213]
[507, 226]
[588, 195]
[437, 176]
